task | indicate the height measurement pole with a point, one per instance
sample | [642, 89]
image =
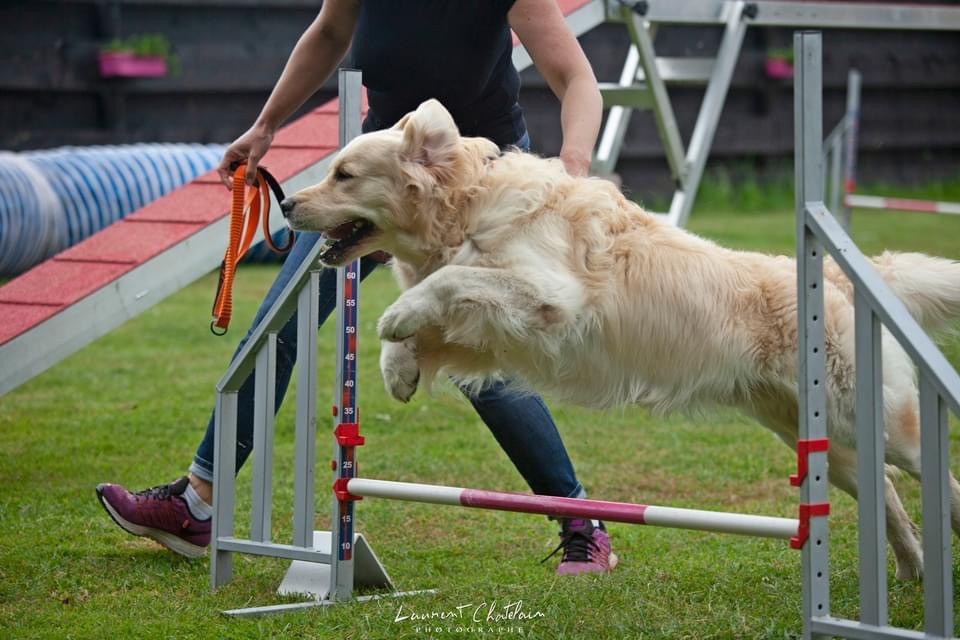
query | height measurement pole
[345, 413]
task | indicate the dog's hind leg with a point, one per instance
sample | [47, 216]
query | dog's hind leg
[901, 532]
[903, 451]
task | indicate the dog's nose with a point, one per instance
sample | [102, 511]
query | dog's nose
[286, 207]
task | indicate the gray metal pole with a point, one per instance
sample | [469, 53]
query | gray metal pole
[615, 128]
[663, 111]
[261, 512]
[808, 131]
[709, 115]
[935, 496]
[851, 134]
[224, 473]
[306, 429]
[871, 476]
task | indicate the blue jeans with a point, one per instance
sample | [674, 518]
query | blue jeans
[522, 424]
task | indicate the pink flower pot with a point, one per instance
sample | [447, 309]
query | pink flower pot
[778, 68]
[123, 64]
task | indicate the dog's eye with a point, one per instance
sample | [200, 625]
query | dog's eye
[340, 175]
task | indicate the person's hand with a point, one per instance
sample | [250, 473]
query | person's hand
[576, 164]
[249, 148]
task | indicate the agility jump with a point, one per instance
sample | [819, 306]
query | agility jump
[344, 545]
[940, 389]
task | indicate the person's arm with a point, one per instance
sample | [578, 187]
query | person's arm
[315, 56]
[559, 58]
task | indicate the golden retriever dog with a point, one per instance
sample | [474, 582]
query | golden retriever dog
[511, 266]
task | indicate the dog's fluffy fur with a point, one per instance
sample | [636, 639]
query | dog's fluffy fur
[511, 265]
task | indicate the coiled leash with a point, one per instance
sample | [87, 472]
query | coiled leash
[245, 199]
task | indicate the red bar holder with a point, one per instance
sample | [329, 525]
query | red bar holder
[804, 449]
[348, 434]
[808, 511]
[340, 490]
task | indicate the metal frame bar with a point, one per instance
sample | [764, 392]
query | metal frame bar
[735, 27]
[803, 15]
[642, 84]
[851, 134]
[935, 498]
[735, 16]
[264, 402]
[871, 476]
[939, 389]
[888, 307]
[618, 117]
[662, 109]
[306, 421]
[808, 83]
[224, 467]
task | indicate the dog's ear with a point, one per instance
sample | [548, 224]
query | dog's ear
[430, 136]
[402, 122]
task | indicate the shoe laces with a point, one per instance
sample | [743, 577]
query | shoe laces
[576, 545]
[160, 492]
[164, 491]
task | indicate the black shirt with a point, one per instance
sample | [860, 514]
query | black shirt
[457, 51]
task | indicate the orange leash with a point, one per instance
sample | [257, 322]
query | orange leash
[249, 205]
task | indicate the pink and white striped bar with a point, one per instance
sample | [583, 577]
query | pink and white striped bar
[901, 204]
[743, 524]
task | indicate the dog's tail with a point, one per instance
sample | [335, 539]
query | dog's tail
[928, 286]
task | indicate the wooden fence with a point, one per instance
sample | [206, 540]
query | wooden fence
[232, 51]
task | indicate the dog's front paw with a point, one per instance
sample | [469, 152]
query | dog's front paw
[400, 321]
[399, 368]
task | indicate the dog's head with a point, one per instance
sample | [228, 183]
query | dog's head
[392, 190]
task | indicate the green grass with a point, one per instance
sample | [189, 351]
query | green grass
[131, 407]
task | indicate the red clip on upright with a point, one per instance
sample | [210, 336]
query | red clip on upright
[340, 490]
[807, 511]
[804, 449]
[348, 434]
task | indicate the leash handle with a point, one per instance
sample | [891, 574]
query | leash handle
[247, 203]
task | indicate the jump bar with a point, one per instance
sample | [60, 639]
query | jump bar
[750, 525]
[901, 204]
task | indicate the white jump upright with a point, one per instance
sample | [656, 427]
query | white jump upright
[326, 565]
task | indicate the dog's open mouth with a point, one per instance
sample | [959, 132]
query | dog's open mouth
[342, 238]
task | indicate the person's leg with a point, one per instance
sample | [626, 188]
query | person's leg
[201, 471]
[526, 432]
[178, 515]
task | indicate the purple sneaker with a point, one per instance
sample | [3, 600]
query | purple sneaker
[586, 549]
[160, 513]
